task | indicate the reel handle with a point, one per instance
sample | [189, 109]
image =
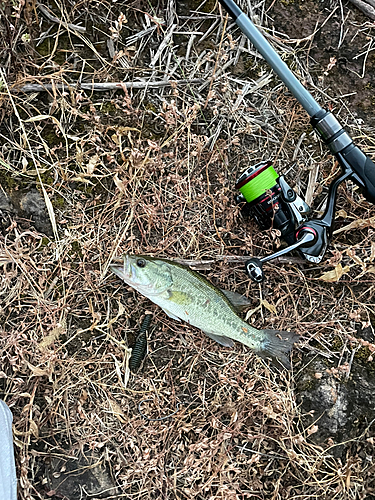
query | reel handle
[306, 238]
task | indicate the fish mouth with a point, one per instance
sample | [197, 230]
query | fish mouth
[125, 268]
[122, 268]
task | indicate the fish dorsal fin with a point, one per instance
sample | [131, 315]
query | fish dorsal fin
[237, 300]
[220, 339]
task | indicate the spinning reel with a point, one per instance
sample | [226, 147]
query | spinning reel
[271, 201]
[274, 204]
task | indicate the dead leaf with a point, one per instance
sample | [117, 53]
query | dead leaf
[372, 255]
[54, 335]
[121, 310]
[117, 410]
[335, 274]
[82, 400]
[269, 306]
[252, 311]
[34, 429]
[119, 184]
[40, 372]
[4, 260]
[92, 164]
[356, 224]
[341, 213]
[312, 430]
[79, 178]
[37, 372]
[351, 253]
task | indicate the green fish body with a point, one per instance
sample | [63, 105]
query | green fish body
[186, 295]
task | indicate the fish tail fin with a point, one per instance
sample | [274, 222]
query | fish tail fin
[278, 344]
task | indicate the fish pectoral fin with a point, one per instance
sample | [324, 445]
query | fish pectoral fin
[171, 315]
[180, 298]
[220, 339]
[239, 301]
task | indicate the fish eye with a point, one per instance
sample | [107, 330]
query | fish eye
[141, 263]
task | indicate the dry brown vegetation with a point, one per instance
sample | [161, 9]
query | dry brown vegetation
[151, 170]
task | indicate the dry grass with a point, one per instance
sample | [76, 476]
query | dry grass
[152, 171]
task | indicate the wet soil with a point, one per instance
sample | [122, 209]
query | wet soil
[341, 57]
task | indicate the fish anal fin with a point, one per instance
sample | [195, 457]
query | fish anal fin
[220, 339]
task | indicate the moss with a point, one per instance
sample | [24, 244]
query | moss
[58, 202]
[44, 49]
[307, 384]
[150, 107]
[45, 241]
[46, 178]
[362, 355]
[86, 336]
[8, 182]
[108, 108]
[209, 5]
[49, 135]
[76, 249]
[336, 344]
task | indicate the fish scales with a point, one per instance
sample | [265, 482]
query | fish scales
[207, 308]
[186, 295]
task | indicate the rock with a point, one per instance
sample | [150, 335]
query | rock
[83, 478]
[32, 204]
[341, 405]
[27, 204]
[5, 212]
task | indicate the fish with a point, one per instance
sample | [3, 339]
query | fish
[186, 295]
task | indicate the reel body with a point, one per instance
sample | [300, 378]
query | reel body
[273, 203]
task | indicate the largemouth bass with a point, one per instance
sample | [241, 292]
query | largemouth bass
[186, 295]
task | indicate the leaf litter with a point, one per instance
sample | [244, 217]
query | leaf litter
[150, 168]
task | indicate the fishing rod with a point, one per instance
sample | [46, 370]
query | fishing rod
[269, 198]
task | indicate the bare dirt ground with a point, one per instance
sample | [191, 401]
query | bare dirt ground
[149, 167]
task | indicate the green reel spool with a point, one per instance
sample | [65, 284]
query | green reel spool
[255, 181]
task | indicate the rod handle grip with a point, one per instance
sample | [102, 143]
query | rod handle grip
[364, 169]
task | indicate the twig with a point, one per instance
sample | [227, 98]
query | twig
[102, 87]
[367, 7]
[216, 61]
[163, 45]
[50, 17]
[156, 419]
[313, 175]
[236, 259]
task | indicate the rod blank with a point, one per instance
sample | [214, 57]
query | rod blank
[270, 55]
